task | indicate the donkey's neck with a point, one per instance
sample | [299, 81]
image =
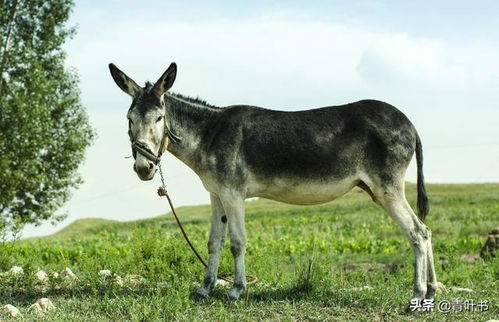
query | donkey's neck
[190, 120]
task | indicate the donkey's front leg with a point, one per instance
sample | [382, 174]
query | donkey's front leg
[233, 203]
[215, 246]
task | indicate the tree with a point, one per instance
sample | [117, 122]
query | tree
[44, 129]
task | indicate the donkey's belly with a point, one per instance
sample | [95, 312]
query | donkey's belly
[303, 193]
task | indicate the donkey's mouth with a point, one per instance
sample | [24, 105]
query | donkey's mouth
[145, 175]
[146, 178]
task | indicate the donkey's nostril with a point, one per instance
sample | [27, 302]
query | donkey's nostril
[150, 166]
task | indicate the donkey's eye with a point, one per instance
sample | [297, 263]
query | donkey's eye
[159, 119]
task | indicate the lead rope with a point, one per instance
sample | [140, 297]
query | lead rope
[162, 192]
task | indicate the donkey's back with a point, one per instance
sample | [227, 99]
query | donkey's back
[323, 145]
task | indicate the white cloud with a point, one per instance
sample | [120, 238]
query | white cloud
[395, 59]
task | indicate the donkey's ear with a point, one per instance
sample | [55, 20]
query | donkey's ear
[124, 82]
[166, 80]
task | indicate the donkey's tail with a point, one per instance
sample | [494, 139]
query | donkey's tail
[423, 205]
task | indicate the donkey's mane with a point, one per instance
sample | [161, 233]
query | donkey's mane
[195, 100]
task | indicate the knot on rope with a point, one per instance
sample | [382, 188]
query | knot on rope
[161, 191]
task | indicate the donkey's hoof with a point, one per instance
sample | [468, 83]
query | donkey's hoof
[410, 309]
[435, 288]
[235, 293]
[200, 294]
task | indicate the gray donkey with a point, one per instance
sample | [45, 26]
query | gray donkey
[305, 157]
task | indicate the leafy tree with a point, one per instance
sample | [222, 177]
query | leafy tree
[44, 129]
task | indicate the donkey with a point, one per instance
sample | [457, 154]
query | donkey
[305, 157]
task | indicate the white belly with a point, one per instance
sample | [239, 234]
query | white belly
[305, 193]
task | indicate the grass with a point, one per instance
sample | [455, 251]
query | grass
[308, 260]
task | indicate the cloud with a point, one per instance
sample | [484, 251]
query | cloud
[399, 60]
[228, 61]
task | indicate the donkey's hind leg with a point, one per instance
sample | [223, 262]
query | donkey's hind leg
[432, 276]
[392, 199]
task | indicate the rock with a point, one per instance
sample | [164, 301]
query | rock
[441, 288]
[41, 276]
[68, 274]
[222, 283]
[12, 310]
[134, 280]
[119, 281]
[42, 305]
[105, 273]
[491, 247]
[15, 270]
[460, 289]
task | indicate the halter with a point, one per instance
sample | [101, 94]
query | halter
[144, 150]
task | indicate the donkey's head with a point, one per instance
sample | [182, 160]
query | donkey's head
[148, 127]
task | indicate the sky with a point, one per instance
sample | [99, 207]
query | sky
[435, 61]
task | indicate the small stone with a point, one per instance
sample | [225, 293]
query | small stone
[119, 281]
[134, 280]
[222, 283]
[55, 275]
[11, 309]
[460, 289]
[68, 274]
[42, 276]
[441, 288]
[105, 273]
[15, 270]
[42, 305]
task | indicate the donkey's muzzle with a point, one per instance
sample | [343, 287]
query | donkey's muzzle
[143, 149]
[145, 171]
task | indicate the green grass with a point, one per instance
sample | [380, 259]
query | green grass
[80, 226]
[302, 256]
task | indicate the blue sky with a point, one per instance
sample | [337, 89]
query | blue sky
[436, 61]
[458, 19]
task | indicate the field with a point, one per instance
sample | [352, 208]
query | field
[345, 260]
